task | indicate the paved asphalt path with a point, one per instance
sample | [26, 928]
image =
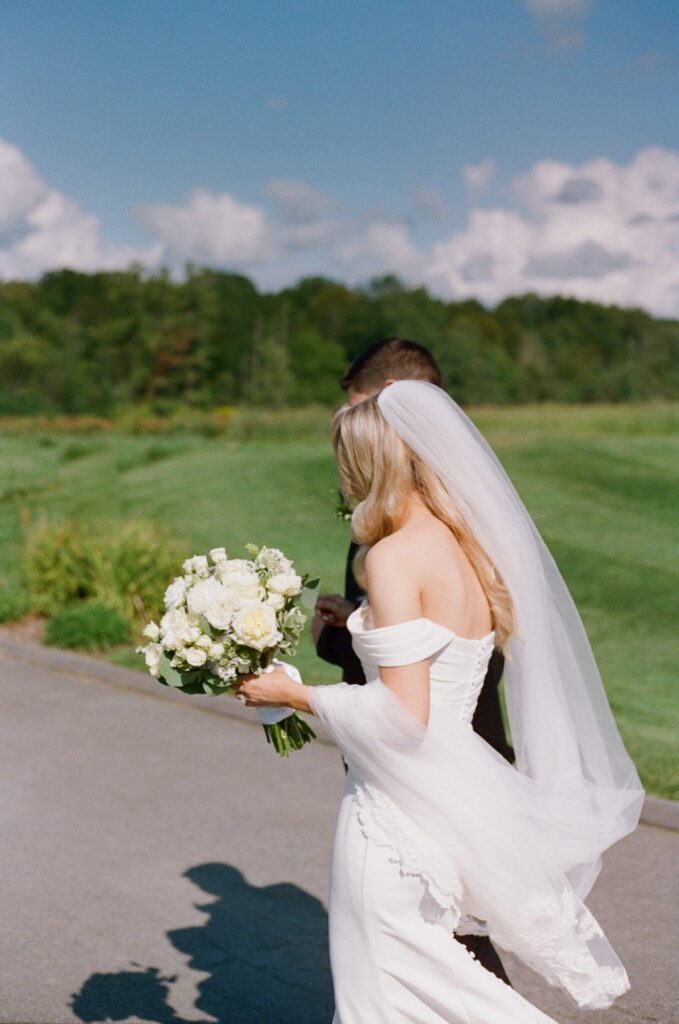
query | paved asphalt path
[159, 863]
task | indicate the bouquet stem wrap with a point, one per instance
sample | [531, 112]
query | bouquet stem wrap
[283, 727]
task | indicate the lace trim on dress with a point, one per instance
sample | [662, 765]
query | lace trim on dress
[552, 936]
[555, 940]
[383, 823]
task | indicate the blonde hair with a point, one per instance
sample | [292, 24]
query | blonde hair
[378, 472]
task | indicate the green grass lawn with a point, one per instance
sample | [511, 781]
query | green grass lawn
[601, 483]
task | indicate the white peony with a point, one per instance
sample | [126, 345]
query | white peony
[175, 593]
[240, 578]
[151, 630]
[286, 583]
[218, 555]
[197, 566]
[195, 656]
[255, 626]
[152, 655]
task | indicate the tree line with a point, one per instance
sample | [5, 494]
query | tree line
[99, 343]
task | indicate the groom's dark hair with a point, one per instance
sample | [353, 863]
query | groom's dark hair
[391, 359]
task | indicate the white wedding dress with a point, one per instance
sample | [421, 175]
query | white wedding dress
[396, 894]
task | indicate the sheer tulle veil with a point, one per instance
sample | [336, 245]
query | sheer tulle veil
[587, 794]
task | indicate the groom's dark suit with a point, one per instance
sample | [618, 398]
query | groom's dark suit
[334, 645]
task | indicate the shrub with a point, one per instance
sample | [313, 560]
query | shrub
[14, 604]
[60, 566]
[89, 626]
[147, 456]
[141, 559]
[78, 450]
[123, 567]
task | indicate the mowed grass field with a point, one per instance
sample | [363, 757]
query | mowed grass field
[601, 482]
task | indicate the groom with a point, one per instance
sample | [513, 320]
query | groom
[381, 364]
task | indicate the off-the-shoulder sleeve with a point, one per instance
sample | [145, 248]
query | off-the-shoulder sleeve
[402, 644]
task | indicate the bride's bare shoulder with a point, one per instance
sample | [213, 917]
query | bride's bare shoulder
[415, 550]
[392, 580]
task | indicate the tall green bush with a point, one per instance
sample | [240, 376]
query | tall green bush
[88, 626]
[126, 567]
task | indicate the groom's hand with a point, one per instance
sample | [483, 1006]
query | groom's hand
[333, 609]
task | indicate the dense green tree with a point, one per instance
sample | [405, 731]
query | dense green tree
[98, 343]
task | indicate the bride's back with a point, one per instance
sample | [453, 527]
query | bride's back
[431, 561]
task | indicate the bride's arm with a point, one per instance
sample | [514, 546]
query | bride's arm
[394, 597]
[274, 688]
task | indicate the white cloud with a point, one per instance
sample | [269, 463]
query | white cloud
[20, 189]
[558, 8]
[211, 228]
[560, 22]
[477, 177]
[370, 248]
[298, 202]
[42, 229]
[601, 231]
[429, 203]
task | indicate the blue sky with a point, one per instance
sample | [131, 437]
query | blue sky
[125, 109]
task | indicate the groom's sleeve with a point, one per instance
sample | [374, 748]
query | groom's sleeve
[334, 643]
[487, 721]
[334, 646]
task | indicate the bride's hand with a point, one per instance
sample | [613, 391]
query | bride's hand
[272, 689]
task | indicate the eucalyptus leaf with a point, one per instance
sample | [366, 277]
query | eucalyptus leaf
[171, 676]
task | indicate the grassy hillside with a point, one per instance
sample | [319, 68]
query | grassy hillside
[601, 483]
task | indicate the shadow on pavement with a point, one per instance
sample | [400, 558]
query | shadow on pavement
[265, 951]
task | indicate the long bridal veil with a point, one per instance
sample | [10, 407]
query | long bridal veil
[588, 792]
[525, 841]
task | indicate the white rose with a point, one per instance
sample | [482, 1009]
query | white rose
[196, 565]
[287, 583]
[205, 594]
[152, 631]
[176, 629]
[216, 650]
[214, 601]
[273, 560]
[175, 593]
[255, 626]
[152, 658]
[195, 656]
[218, 555]
[219, 616]
[204, 641]
[275, 601]
[239, 577]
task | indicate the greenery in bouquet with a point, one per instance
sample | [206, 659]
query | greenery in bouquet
[228, 616]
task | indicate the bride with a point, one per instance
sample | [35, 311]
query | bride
[437, 833]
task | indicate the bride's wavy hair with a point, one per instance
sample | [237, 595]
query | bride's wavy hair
[377, 473]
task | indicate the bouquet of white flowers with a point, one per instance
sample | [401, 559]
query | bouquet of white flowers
[229, 616]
